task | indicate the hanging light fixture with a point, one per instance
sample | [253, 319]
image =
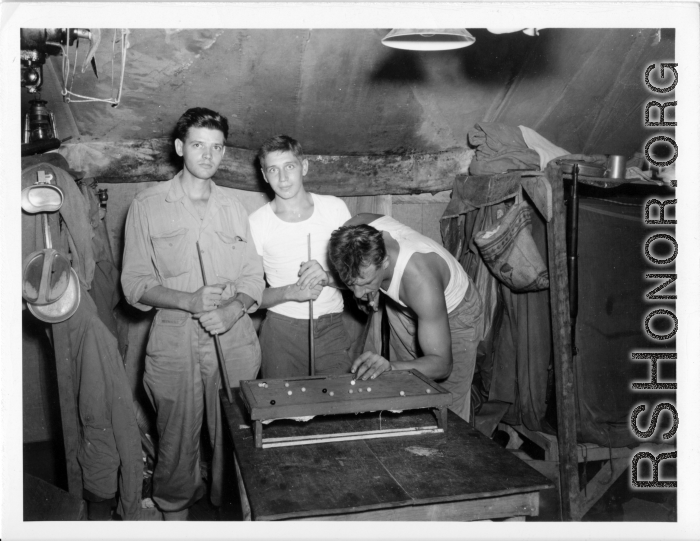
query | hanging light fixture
[528, 31]
[422, 39]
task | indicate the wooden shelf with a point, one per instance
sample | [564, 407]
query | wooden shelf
[617, 460]
[604, 182]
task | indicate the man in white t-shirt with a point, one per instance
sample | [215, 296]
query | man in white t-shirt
[281, 232]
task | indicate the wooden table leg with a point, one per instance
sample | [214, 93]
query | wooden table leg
[441, 414]
[257, 428]
[245, 504]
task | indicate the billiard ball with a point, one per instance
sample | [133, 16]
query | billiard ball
[272, 402]
[289, 393]
[325, 390]
[369, 389]
[402, 393]
[331, 393]
[286, 384]
[303, 389]
[350, 391]
[352, 382]
[427, 391]
[359, 390]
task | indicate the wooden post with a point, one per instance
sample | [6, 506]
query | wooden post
[149, 160]
[561, 339]
[69, 406]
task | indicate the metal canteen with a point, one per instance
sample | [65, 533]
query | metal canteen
[42, 196]
[45, 273]
[64, 307]
[615, 166]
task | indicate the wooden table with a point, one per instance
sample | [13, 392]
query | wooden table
[460, 475]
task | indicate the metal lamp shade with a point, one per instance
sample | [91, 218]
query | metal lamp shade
[428, 39]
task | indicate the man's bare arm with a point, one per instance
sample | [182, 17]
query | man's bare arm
[272, 296]
[423, 290]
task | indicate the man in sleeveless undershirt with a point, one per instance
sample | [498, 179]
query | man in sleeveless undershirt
[434, 310]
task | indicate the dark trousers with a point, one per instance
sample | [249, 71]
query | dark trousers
[284, 342]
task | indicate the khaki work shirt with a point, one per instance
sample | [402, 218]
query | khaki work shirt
[162, 229]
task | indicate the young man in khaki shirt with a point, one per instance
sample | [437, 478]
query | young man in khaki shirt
[162, 270]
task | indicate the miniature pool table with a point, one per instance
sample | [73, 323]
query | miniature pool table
[310, 396]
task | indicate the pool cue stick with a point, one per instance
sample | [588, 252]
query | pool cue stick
[312, 352]
[217, 342]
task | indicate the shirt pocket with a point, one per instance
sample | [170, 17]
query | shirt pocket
[171, 253]
[232, 250]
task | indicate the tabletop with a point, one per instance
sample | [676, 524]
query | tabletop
[362, 475]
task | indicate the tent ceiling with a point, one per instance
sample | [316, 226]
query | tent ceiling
[341, 92]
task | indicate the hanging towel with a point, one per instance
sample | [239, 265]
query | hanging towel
[547, 150]
[499, 147]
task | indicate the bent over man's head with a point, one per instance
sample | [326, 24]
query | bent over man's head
[353, 248]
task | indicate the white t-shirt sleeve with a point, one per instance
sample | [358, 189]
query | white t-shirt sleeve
[342, 213]
[257, 227]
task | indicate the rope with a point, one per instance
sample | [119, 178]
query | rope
[67, 93]
[114, 45]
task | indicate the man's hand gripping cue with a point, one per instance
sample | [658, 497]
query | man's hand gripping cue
[311, 274]
[215, 316]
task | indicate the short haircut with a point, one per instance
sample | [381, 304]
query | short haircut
[200, 117]
[353, 247]
[280, 143]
